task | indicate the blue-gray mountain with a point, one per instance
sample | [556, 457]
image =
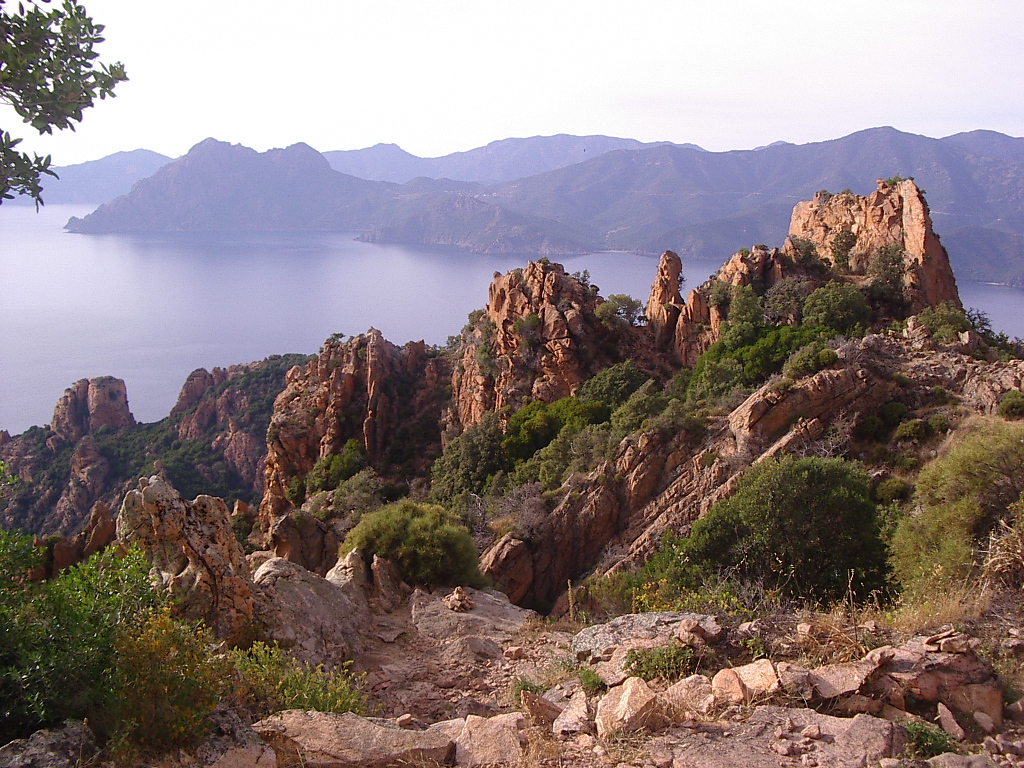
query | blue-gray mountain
[644, 200]
[97, 181]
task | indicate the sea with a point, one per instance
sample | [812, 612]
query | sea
[150, 309]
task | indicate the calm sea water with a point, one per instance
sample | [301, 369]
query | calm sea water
[151, 309]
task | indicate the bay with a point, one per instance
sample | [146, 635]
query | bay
[150, 309]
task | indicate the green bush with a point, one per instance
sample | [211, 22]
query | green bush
[808, 360]
[945, 321]
[837, 305]
[469, 461]
[1012, 405]
[536, 424]
[271, 681]
[784, 301]
[166, 682]
[590, 680]
[57, 638]
[330, 471]
[892, 489]
[842, 243]
[938, 423]
[745, 318]
[612, 386]
[426, 543]
[619, 311]
[959, 499]
[927, 740]
[796, 525]
[914, 430]
[668, 662]
[887, 268]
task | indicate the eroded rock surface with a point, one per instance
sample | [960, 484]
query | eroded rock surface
[194, 554]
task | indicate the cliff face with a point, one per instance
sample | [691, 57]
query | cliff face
[687, 329]
[658, 481]
[90, 404]
[891, 215]
[387, 398]
[214, 440]
[537, 339]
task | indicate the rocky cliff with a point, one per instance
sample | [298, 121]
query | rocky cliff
[213, 441]
[386, 398]
[538, 338]
[892, 215]
[89, 405]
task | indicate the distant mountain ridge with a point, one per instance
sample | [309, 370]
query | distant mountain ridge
[499, 161]
[97, 181]
[645, 199]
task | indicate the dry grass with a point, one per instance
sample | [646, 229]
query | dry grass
[952, 605]
[541, 748]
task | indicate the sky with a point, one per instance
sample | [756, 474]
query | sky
[439, 76]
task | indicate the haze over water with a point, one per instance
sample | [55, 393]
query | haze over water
[151, 309]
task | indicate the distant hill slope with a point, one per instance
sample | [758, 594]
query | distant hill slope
[645, 200]
[499, 161]
[97, 181]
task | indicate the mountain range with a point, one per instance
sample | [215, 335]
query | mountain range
[629, 196]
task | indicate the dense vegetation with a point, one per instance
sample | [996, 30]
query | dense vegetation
[99, 642]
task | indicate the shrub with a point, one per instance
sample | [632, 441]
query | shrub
[614, 385]
[842, 243]
[945, 321]
[784, 301]
[425, 542]
[797, 525]
[887, 268]
[270, 681]
[914, 430]
[619, 311]
[166, 682]
[590, 680]
[1012, 405]
[836, 305]
[808, 360]
[522, 684]
[927, 740]
[959, 498]
[57, 638]
[938, 423]
[468, 461]
[536, 424]
[892, 489]
[720, 293]
[329, 471]
[745, 318]
[669, 662]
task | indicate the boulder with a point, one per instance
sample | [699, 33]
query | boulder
[575, 717]
[632, 706]
[329, 740]
[194, 555]
[490, 741]
[319, 621]
[492, 616]
[67, 747]
[750, 682]
[690, 696]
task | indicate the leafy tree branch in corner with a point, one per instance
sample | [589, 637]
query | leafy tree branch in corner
[49, 75]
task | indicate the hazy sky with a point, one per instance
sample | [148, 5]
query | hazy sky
[437, 76]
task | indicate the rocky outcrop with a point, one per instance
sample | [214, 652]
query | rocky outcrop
[67, 747]
[329, 740]
[320, 621]
[891, 215]
[88, 405]
[687, 329]
[387, 398]
[537, 339]
[194, 554]
[62, 553]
